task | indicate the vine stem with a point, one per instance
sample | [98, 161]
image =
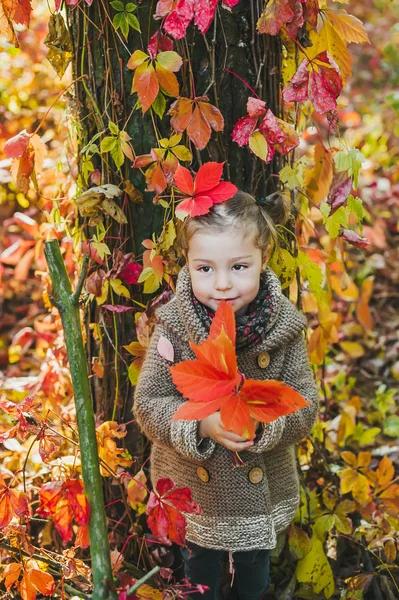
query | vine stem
[243, 81]
[68, 306]
[84, 76]
[143, 580]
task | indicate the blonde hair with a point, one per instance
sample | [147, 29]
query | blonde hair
[241, 211]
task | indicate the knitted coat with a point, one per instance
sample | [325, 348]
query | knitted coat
[237, 514]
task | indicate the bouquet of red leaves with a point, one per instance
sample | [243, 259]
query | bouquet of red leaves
[212, 382]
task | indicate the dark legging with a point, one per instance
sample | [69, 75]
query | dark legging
[205, 566]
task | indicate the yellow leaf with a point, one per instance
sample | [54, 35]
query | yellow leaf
[328, 39]
[344, 287]
[299, 542]
[133, 371]
[385, 472]
[151, 284]
[146, 592]
[136, 489]
[259, 145]
[347, 424]
[318, 179]
[119, 288]
[104, 293]
[135, 348]
[353, 349]
[350, 28]
[315, 569]
[168, 236]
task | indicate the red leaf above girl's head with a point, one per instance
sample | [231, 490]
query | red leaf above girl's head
[203, 191]
[208, 177]
[184, 180]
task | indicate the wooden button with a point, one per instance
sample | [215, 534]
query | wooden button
[203, 474]
[255, 475]
[263, 360]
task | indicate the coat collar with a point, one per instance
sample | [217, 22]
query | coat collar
[179, 314]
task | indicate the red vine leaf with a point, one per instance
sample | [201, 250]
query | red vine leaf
[203, 191]
[16, 146]
[322, 85]
[12, 503]
[180, 13]
[165, 508]
[64, 501]
[272, 133]
[213, 382]
[353, 238]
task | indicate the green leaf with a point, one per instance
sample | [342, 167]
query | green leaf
[337, 220]
[355, 206]
[182, 153]
[289, 176]
[117, 154]
[114, 129]
[313, 274]
[323, 525]
[118, 5]
[350, 161]
[133, 22]
[108, 143]
[159, 105]
[391, 426]
[130, 7]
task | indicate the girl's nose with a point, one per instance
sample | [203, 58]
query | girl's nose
[223, 281]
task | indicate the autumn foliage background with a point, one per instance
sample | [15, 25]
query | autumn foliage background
[344, 541]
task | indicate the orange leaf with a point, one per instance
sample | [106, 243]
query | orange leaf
[43, 582]
[145, 83]
[199, 130]
[167, 80]
[362, 309]
[11, 573]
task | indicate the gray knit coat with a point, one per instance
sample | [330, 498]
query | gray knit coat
[236, 514]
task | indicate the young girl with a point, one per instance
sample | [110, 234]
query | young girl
[244, 506]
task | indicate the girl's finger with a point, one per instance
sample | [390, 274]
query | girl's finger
[238, 446]
[233, 437]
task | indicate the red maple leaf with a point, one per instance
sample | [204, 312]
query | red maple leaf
[204, 190]
[165, 508]
[212, 382]
[64, 501]
[321, 85]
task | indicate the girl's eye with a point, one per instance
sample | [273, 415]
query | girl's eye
[238, 267]
[204, 269]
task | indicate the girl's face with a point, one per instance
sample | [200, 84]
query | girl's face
[225, 266]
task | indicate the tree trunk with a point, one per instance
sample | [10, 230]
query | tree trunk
[229, 64]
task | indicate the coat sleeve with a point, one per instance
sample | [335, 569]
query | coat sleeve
[156, 399]
[290, 429]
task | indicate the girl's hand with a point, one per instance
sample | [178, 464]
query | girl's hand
[212, 427]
